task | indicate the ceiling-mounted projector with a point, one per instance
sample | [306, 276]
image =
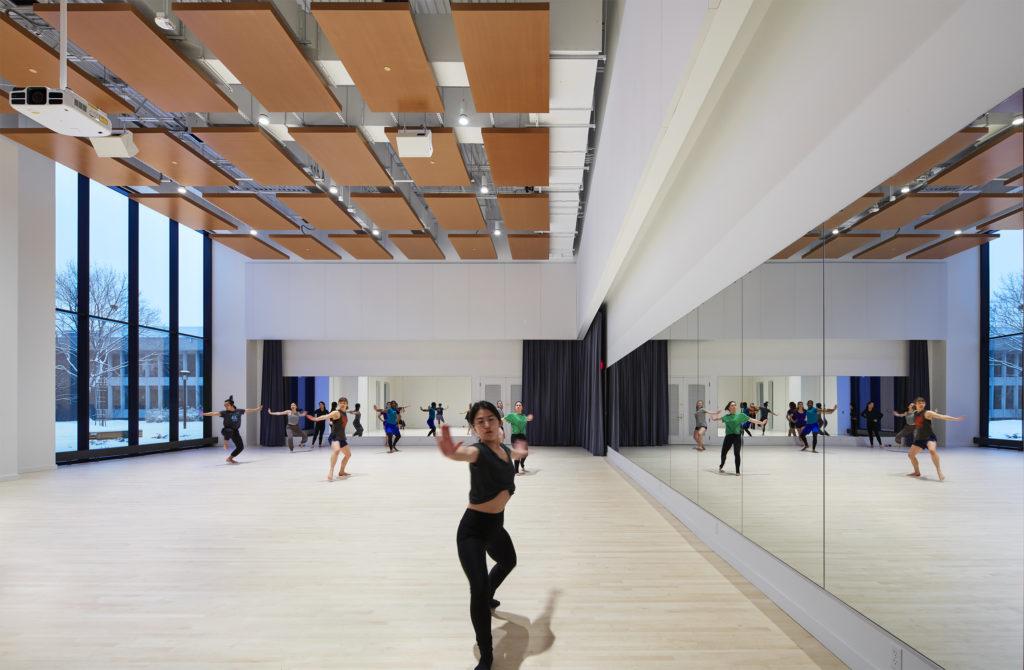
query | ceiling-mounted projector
[414, 143]
[61, 110]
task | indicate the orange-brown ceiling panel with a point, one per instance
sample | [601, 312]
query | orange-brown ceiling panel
[5, 105]
[473, 247]
[252, 210]
[320, 210]
[946, 150]
[897, 245]
[381, 49]
[389, 211]
[1015, 181]
[343, 153]
[799, 245]
[1013, 220]
[184, 210]
[506, 48]
[951, 246]
[251, 246]
[255, 44]
[306, 246]
[256, 154]
[530, 247]
[993, 161]
[362, 246]
[417, 246]
[905, 210]
[77, 153]
[525, 211]
[517, 156]
[444, 168]
[25, 60]
[456, 211]
[164, 152]
[966, 214]
[837, 246]
[132, 47]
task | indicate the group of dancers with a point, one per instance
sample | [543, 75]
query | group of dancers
[810, 419]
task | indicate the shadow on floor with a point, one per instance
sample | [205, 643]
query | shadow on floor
[519, 637]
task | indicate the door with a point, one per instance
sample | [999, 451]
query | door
[683, 394]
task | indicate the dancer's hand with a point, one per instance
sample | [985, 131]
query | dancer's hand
[529, 417]
[445, 444]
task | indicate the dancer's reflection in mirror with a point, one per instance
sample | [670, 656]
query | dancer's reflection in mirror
[874, 421]
[733, 421]
[763, 413]
[700, 424]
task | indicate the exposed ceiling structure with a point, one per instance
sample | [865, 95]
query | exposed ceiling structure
[280, 120]
[956, 197]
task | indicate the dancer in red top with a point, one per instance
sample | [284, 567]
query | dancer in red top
[339, 418]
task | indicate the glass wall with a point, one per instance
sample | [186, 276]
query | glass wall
[1005, 325]
[145, 363]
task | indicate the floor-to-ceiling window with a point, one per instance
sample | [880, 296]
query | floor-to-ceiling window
[1005, 273]
[139, 323]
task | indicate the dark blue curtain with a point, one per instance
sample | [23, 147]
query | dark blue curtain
[638, 397]
[918, 384]
[272, 395]
[563, 387]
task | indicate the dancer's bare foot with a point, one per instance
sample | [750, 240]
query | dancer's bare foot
[913, 474]
[815, 451]
[330, 477]
[737, 474]
[942, 477]
[230, 460]
[804, 449]
[344, 474]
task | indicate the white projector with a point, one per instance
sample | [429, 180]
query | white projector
[61, 110]
[414, 143]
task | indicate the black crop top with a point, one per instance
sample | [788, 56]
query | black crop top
[490, 475]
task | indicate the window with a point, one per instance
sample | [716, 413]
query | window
[67, 238]
[1005, 269]
[108, 343]
[155, 410]
[154, 270]
[190, 388]
[108, 253]
[66, 346]
[190, 281]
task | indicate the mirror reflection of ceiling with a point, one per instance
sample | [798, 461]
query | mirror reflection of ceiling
[955, 197]
[290, 99]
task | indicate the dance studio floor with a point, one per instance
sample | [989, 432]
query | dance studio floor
[181, 561]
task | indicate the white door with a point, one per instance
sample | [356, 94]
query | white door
[506, 389]
[683, 394]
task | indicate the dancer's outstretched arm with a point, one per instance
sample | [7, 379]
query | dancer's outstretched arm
[453, 450]
[929, 414]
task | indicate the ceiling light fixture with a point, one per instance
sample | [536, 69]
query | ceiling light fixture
[497, 232]
[483, 185]
[333, 190]
[376, 233]
[957, 232]
[161, 20]
[874, 209]
[1018, 121]
[264, 120]
[464, 120]
[905, 189]
[253, 232]
[350, 210]
[835, 231]
[182, 190]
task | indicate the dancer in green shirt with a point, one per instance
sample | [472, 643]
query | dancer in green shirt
[733, 421]
[517, 420]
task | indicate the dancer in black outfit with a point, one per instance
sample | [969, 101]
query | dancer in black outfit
[357, 425]
[763, 413]
[318, 426]
[481, 532]
[232, 422]
[874, 419]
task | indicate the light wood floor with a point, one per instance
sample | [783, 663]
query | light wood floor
[938, 564]
[178, 560]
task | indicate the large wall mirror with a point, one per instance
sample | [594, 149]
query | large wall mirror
[913, 290]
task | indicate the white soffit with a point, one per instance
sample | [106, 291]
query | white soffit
[568, 159]
[569, 139]
[563, 117]
[219, 71]
[572, 83]
[468, 135]
[374, 133]
[335, 72]
[450, 74]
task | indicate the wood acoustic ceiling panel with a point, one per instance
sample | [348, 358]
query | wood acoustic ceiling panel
[307, 247]
[417, 247]
[525, 211]
[1015, 181]
[132, 47]
[905, 210]
[166, 153]
[456, 211]
[381, 49]
[897, 245]
[950, 147]
[184, 210]
[517, 156]
[5, 105]
[951, 246]
[1010, 221]
[535, 247]
[343, 153]
[444, 168]
[966, 214]
[319, 210]
[251, 246]
[993, 161]
[389, 211]
[77, 153]
[799, 245]
[256, 154]
[851, 210]
[362, 246]
[254, 43]
[474, 247]
[506, 49]
[251, 210]
[837, 246]
[25, 60]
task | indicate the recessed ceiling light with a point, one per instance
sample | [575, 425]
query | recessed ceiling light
[484, 189]
[957, 232]
[333, 190]
[264, 120]
[253, 232]
[835, 231]
[905, 189]
[161, 20]
[35, 71]
[874, 209]
[497, 232]
[376, 233]
[387, 68]
[182, 190]
[464, 120]
[1018, 121]
[350, 210]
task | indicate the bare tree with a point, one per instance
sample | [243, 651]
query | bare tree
[1006, 317]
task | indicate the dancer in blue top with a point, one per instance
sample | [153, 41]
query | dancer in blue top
[811, 425]
[392, 417]
[431, 413]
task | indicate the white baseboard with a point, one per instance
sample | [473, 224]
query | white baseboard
[852, 637]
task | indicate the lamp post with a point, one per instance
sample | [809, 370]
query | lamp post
[184, 405]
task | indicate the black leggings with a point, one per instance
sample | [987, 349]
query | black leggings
[481, 534]
[232, 434]
[392, 440]
[733, 442]
[358, 427]
[318, 432]
[873, 433]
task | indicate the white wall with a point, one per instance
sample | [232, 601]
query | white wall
[230, 360]
[962, 384]
[435, 301]
[27, 285]
[483, 358]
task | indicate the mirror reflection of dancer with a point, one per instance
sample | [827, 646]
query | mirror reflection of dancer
[357, 425]
[811, 418]
[733, 421]
[763, 415]
[339, 445]
[791, 418]
[318, 427]
[924, 436]
[481, 531]
[501, 417]
[292, 429]
[700, 424]
[431, 414]
[822, 421]
[469, 424]
[874, 420]
[908, 427]
[800, 419]
[232, 422]
[440, 414]
[744, 410]
[391, 415]
[517, 420]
